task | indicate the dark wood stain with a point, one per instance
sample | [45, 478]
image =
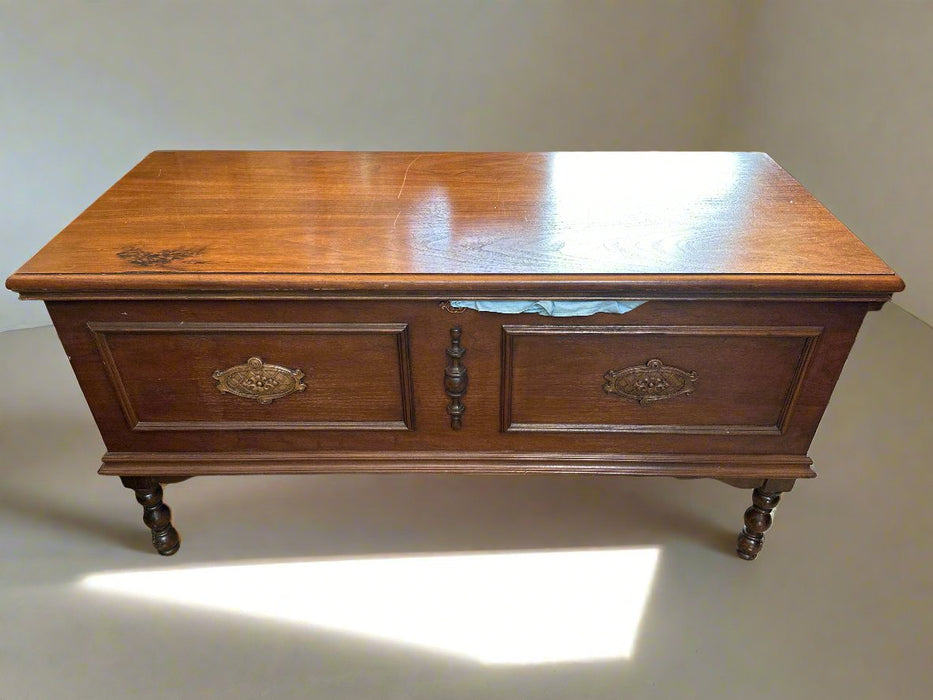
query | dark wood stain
[146, 258]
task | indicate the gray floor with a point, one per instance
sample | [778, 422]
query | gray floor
[840, 603]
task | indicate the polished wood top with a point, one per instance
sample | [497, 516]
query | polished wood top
[495, 222]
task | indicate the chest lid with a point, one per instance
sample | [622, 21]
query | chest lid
[484, 224]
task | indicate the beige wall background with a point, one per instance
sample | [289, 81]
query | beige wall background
[840, 92]
[836, 91]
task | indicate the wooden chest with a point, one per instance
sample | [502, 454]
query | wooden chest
[279, 312]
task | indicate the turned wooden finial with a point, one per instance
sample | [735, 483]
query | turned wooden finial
[455, 379]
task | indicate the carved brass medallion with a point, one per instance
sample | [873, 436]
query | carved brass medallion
[652, 381]
[259, 381]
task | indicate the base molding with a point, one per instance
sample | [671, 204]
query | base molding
[682, 465]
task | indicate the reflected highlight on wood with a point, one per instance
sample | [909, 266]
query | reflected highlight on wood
[636, 222]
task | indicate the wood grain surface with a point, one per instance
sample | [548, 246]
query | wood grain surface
[492, 223]
[746, 378]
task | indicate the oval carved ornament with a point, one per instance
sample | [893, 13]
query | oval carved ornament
[259, 381]
[653, 381]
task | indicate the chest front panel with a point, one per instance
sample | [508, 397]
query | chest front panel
[667, 377]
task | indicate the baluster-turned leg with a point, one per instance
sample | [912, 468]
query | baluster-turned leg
[757, 520]
[156, 515]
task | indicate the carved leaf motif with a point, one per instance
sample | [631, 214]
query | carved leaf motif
[260, 381]
[650, 382]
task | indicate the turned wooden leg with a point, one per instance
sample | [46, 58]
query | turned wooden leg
[156, 515]
[757, 521]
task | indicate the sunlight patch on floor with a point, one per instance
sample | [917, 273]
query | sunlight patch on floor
[502, 608]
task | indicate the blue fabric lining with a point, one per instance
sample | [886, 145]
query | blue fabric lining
[549, 308]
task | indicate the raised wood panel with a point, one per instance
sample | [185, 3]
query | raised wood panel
[358, 375]
[748, 378]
